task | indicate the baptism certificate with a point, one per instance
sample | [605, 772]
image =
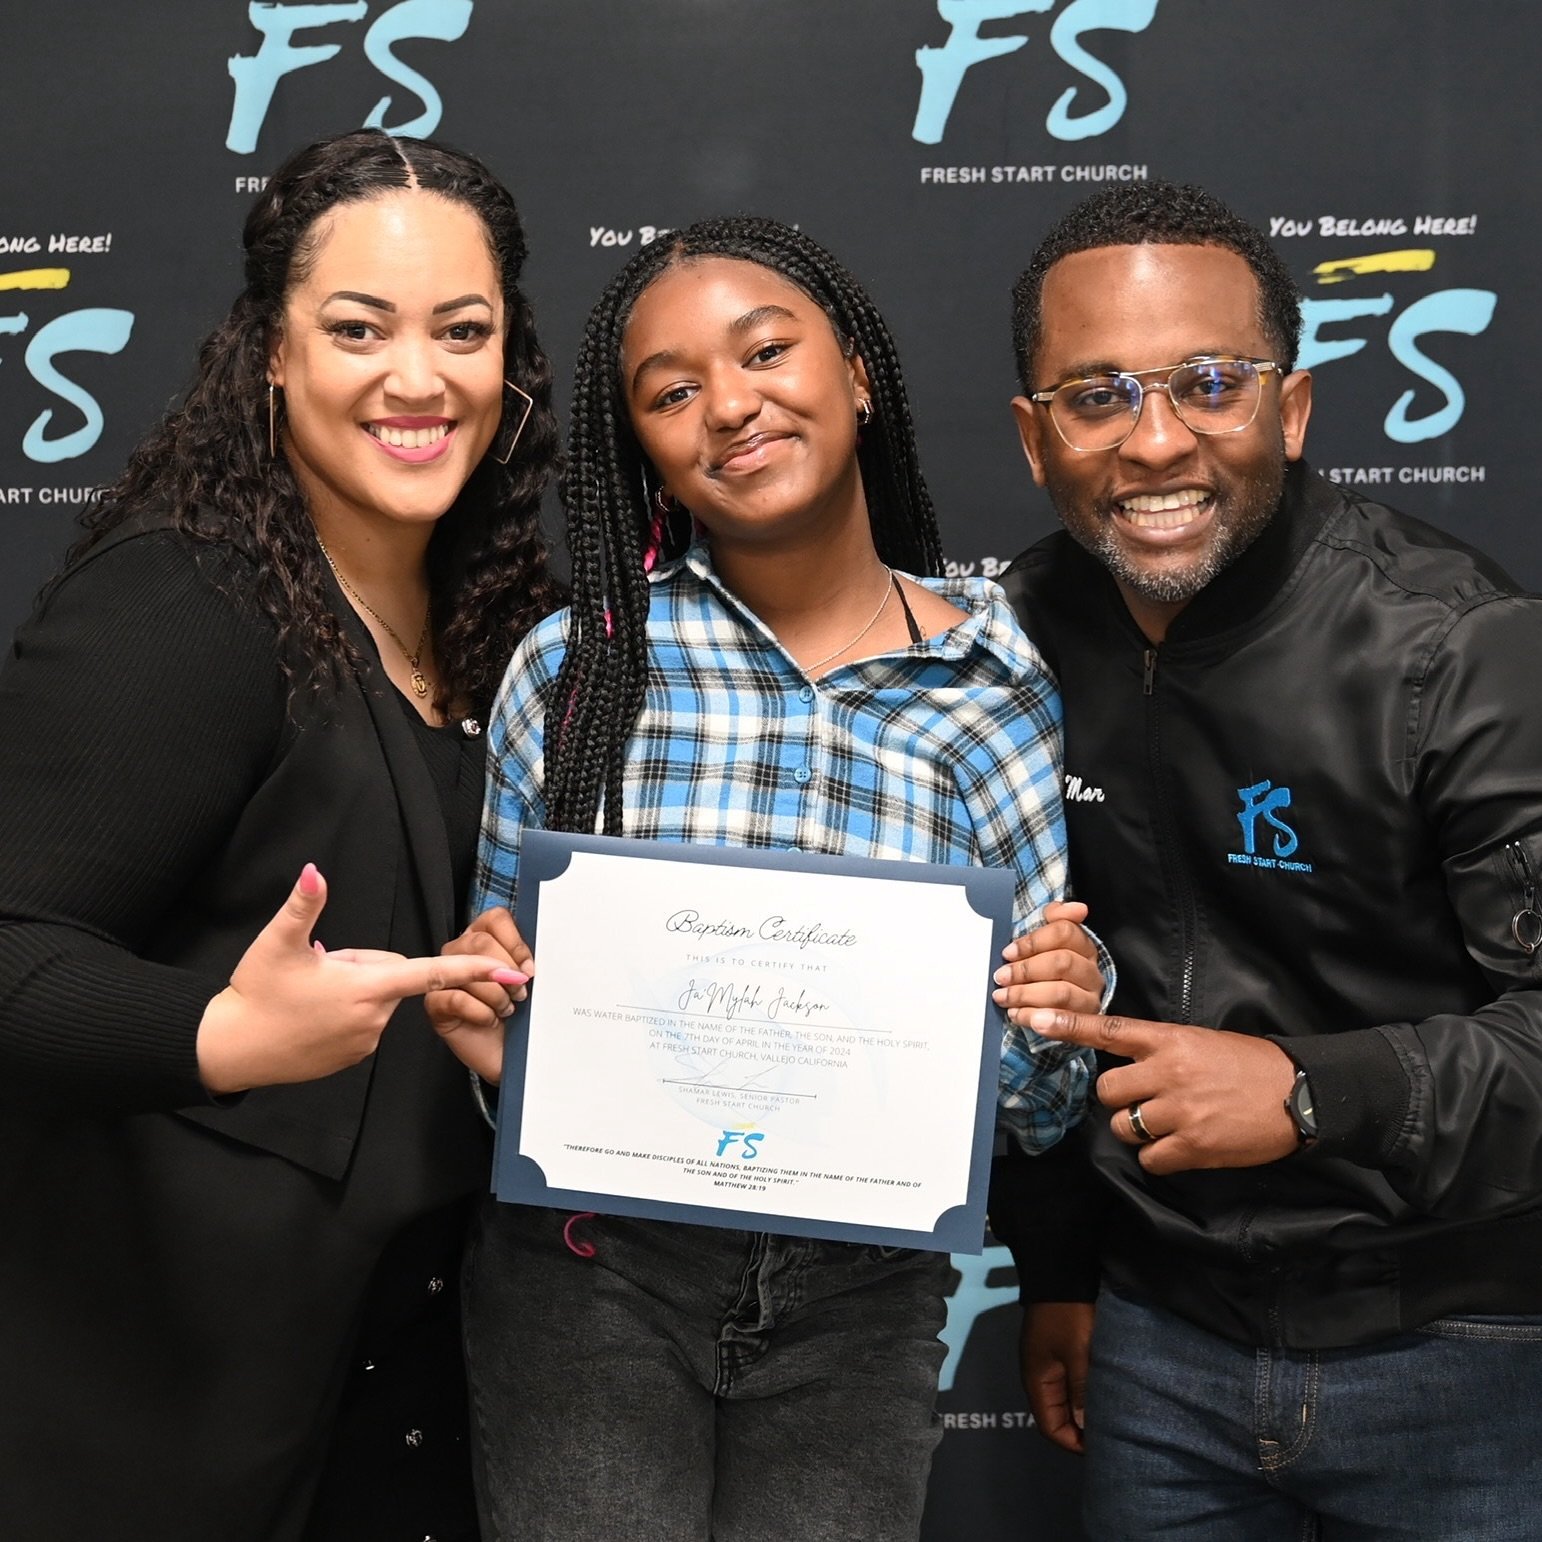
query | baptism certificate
[757, 1039]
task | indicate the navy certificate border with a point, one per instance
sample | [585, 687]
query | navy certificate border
[545, 854]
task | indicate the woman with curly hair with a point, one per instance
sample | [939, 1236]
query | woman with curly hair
[234, 1157]
[760, 652]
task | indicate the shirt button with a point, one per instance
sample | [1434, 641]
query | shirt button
[806, 694]
[414, 1438]
[801, 775]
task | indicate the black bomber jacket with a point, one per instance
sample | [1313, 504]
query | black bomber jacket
[1314, 812]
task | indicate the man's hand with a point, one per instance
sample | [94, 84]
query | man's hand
[1203, 1097]
[1055, 1342]
[471, 1019]
[1054, 965]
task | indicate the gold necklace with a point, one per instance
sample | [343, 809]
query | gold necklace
[872, 621]
[419, 679]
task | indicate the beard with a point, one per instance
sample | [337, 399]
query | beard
[1242, 509]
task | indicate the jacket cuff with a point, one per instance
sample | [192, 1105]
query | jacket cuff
[1048, 1210]
[1360, 1092]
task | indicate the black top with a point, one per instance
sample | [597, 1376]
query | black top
[183, 1276]
[416, 1145]
[125, 760]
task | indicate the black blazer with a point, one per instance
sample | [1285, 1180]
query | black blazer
[179, 1277]
[352, 795]
[150, 619]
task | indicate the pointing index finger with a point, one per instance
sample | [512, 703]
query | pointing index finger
[1130, 1037]
[418, 976]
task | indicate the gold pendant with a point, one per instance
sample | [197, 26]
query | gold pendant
[419, 684]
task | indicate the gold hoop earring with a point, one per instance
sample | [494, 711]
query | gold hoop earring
[524, 418]
[272, 425]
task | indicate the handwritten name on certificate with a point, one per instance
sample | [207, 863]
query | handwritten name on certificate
[765, 1040]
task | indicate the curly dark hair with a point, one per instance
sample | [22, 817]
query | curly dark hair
[206, 465]
[599, 690]
[1157, 213]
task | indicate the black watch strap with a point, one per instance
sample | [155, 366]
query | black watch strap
[1300, 1108]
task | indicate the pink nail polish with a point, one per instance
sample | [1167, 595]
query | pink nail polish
[310, 879]
[509, 977]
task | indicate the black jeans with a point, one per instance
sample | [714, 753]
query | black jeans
[686, 1382]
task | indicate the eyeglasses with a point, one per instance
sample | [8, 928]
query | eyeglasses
[1210, 396]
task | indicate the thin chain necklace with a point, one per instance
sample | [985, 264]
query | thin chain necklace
[872, 621]
[419, 679]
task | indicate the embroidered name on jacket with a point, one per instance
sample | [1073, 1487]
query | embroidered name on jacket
[1262, 804]
[1077, 791]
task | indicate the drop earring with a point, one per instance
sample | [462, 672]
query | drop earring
[524, 418]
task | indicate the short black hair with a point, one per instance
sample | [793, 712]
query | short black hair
[1157, 214]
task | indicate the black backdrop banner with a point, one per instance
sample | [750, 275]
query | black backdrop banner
[1386, 148]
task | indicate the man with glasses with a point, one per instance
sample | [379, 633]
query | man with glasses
[1304, 796]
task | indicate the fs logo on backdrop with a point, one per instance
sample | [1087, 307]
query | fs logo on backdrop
[73, 425]
[281, 52]
[1077, 113]
[985, 1281]
[54, 435]
[1340, 326]
[1414, 416]
[988, 1395]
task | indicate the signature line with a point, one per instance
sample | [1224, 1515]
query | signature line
[760, 1092]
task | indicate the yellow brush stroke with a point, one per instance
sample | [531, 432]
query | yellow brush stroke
[36, 278]
[1413, 260]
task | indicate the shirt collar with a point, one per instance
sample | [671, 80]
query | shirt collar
[987, 623]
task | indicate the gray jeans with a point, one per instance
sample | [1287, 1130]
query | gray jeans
[682, 1383]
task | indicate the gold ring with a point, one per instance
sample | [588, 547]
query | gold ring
[1138, 1125]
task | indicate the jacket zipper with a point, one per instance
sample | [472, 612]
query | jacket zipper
[1241, 1234]
[1526, 923]
[1187, 919]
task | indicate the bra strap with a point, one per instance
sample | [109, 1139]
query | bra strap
[910, 620]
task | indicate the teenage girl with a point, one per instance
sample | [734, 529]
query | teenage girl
[748, 661]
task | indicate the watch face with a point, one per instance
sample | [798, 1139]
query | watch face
[1301, 1109]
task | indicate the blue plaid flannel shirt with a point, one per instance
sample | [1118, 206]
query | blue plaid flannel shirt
[948, 752]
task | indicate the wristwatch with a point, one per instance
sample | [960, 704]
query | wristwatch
[1302, 1114]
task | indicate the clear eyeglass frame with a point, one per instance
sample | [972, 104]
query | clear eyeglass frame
[1260, 367]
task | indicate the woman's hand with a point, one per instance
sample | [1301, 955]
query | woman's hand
[294, 1012]
[472, 1017]
[1051, 966]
